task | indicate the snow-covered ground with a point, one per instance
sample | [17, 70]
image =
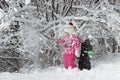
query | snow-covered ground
[101, 71]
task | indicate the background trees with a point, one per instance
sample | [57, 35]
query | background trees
[28, 29]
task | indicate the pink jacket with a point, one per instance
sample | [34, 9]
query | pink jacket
[71, 45]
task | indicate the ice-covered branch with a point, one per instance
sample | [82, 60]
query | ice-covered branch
[3, 57]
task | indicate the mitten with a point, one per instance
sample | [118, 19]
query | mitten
[77, 53]
[90, 54]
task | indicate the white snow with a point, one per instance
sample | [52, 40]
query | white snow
[27, 1]
[102, 71]
[7, 0]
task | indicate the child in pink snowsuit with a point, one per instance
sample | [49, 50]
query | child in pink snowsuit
[71, 46]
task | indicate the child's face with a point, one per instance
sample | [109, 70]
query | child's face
[67, 34]
[82, 40]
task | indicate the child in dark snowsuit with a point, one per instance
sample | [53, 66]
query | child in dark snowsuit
[84, 60]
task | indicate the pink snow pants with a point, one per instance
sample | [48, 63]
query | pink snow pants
[68, 60]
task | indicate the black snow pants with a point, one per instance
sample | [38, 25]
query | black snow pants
[84, 62]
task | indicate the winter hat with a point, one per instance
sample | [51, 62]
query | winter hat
[83, 36]
[69, 28]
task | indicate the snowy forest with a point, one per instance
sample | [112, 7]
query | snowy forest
[28, 29]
